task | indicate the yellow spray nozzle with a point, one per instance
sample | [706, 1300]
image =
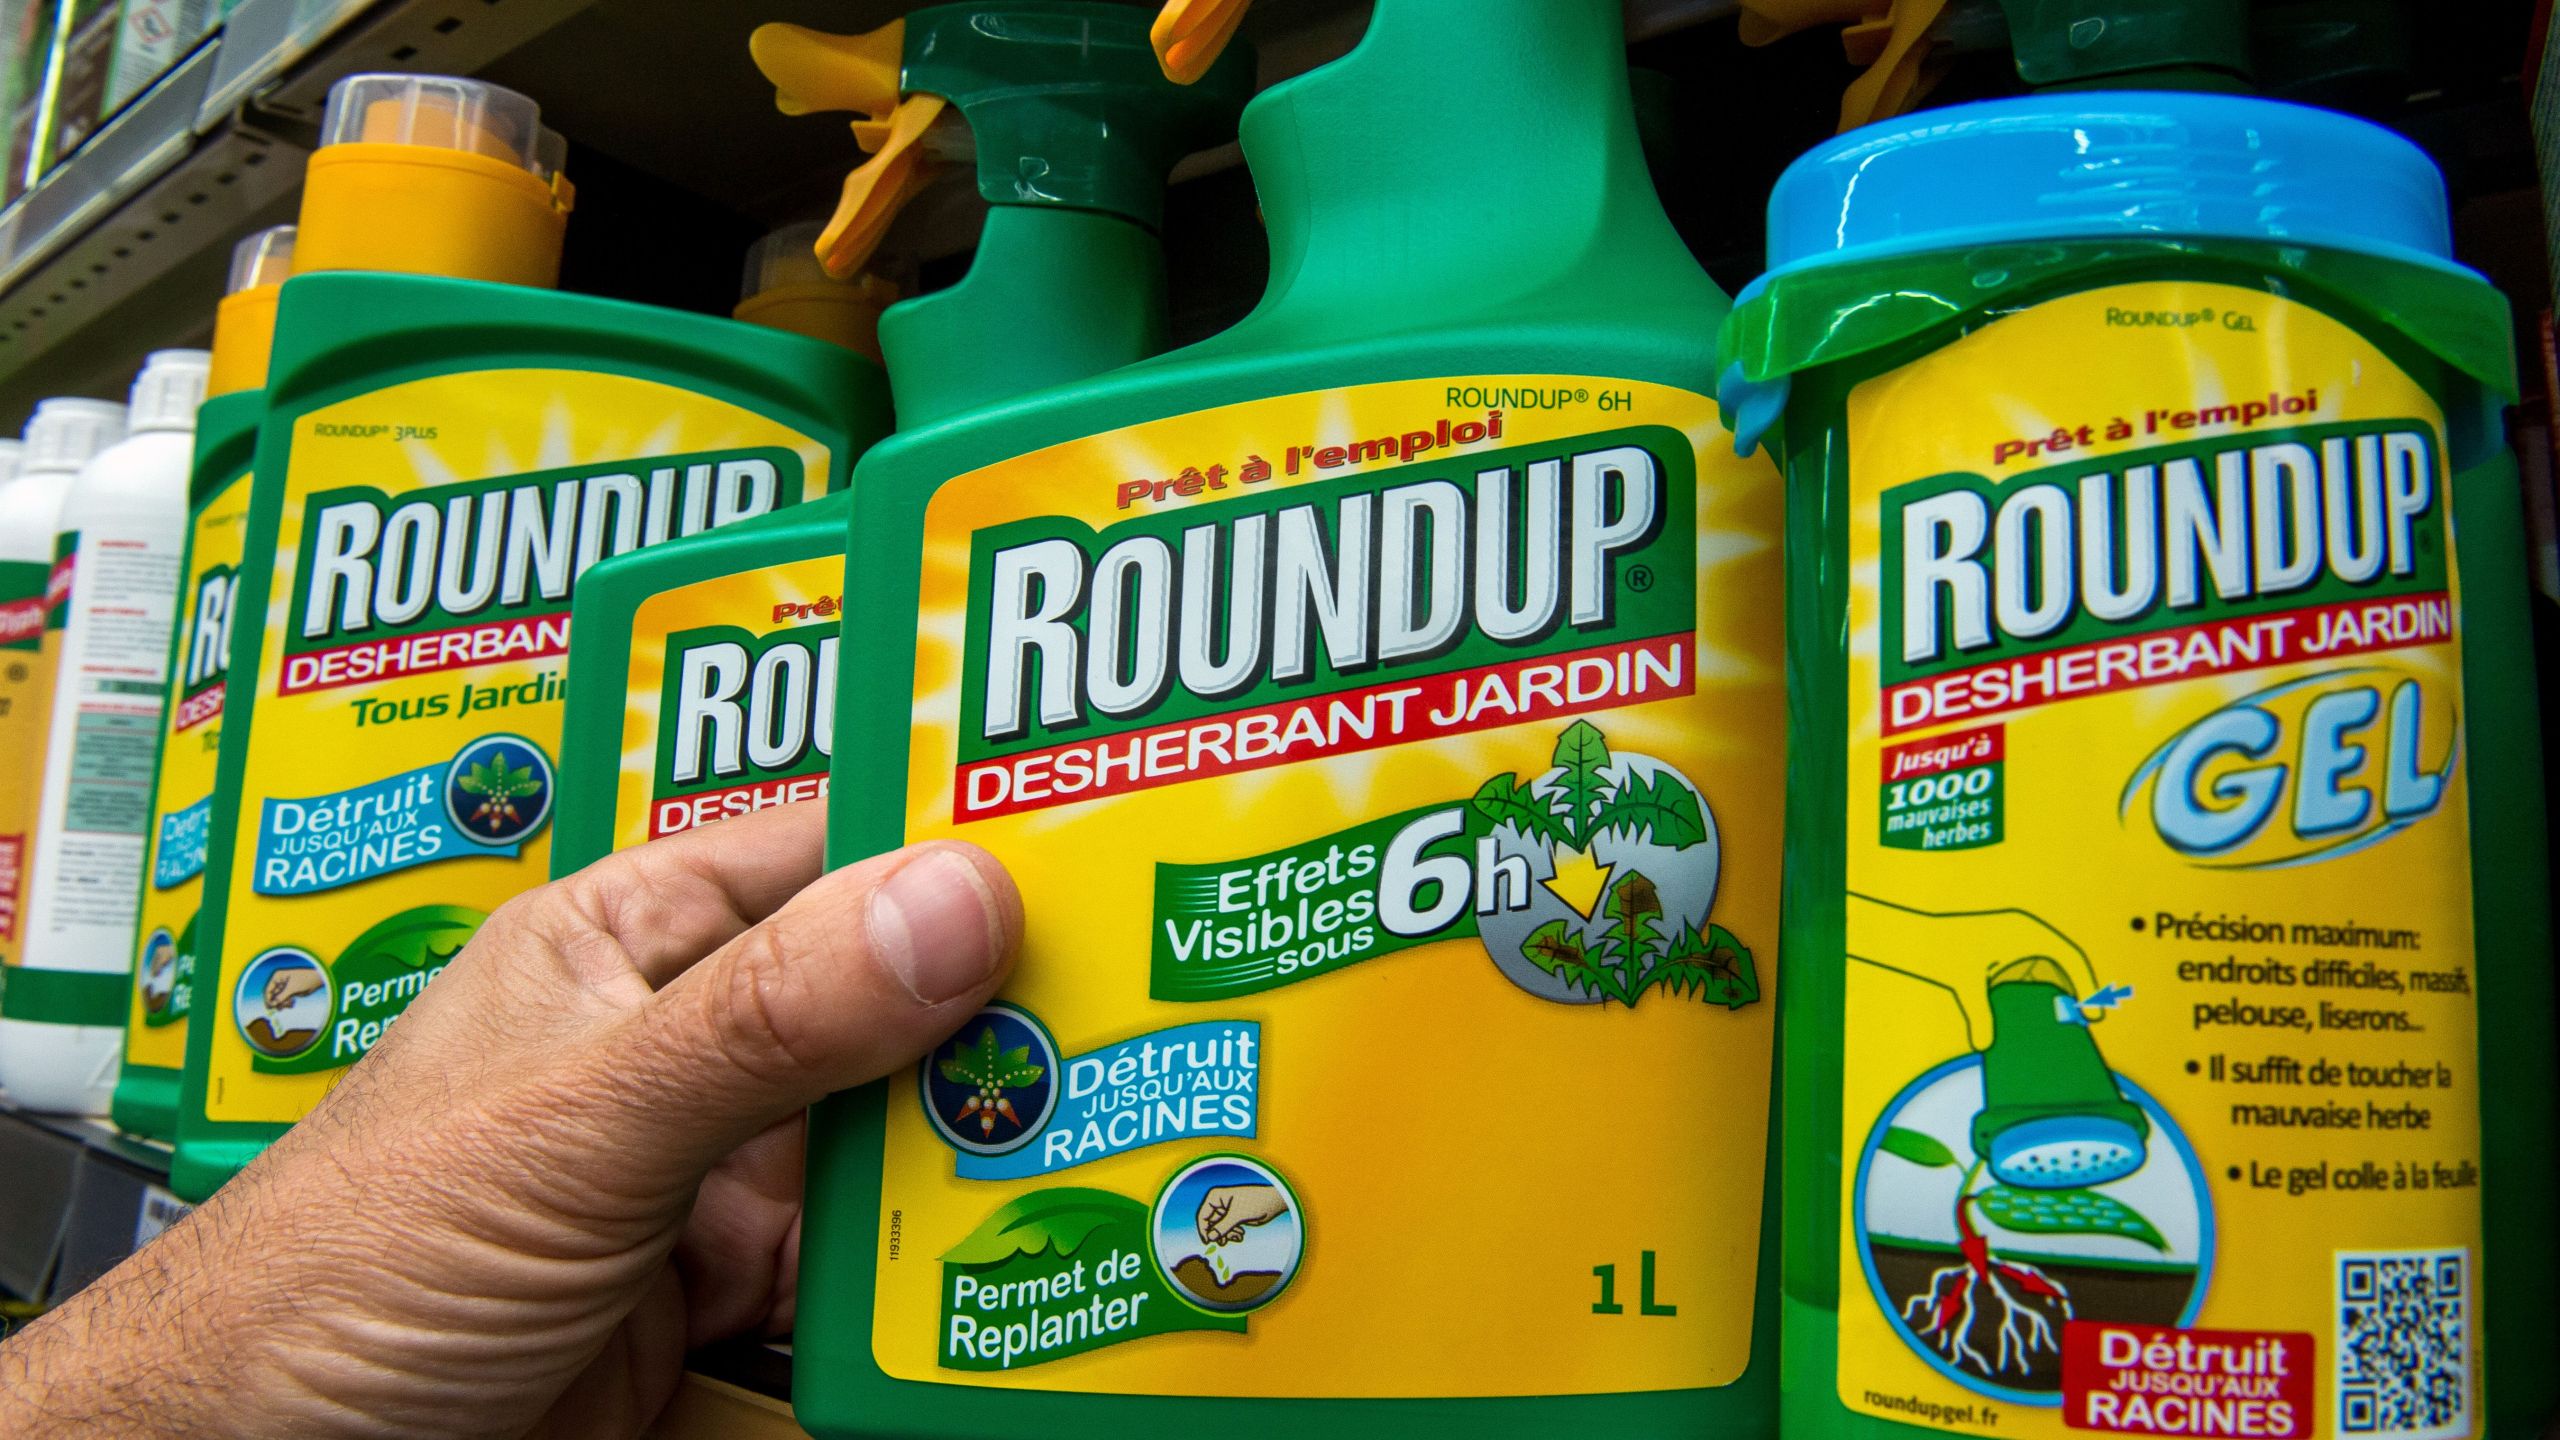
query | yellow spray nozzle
[1889, 37]
[815, 73]
[1897, 54]
[1190, 35]
[875, 193]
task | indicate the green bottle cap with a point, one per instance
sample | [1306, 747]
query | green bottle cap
[2132, 44]
[1064, 102]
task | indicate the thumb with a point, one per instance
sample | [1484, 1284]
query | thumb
[857, 976]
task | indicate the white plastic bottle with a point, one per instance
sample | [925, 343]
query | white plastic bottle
[60, 440]
[122, 533]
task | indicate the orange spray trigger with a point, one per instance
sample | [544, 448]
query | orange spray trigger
[1889, 37]
[1896, 51]
[874, 194]
[1190, 35]
[814, 73]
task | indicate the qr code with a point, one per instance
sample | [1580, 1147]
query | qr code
[2404, 1343]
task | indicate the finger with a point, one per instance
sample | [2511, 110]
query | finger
[732, 1253]
[785, 1311]
[863, 972]
[671, 901]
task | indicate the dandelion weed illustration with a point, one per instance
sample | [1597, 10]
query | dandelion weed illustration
[1628, 847]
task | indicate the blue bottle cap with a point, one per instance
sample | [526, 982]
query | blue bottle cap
[2099, 164]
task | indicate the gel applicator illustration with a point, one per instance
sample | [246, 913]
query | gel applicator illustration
[1020, 89]
[164, 950]
[2052, 1115]
[2331, 245]
[447, 447]
[1407, 272]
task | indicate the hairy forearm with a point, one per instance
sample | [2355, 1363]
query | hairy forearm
[138, 1353]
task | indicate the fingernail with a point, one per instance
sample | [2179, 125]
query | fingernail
[934, 924]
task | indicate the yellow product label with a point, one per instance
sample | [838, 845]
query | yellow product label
[2159, 1110]
[401, 756]
[26, 708]
[732, 698]
[164, 964]
[1391, 776]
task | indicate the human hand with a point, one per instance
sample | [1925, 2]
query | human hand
[576, 1156]
[1962, 953]
[287, 986]
[1228, 1209]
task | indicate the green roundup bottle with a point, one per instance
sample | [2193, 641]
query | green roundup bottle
[440, 460]
[1379, 706]
[164, 956]
[2166, 873]
[702, 681]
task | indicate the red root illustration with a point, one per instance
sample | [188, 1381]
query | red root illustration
[987, 1110]
[1951, 1306]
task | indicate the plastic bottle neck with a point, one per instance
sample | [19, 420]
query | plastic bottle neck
[1467, 151]
[244, 335]
[1054, 296]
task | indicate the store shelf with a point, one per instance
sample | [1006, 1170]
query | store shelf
[76, 1198]
[101, 259]
[121, 249]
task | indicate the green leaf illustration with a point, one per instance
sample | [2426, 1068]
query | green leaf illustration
[1712, 965]
[973, 1062]
[494, 779]
[1556, 948]
[1582, 752]
[1918, 1148]
[1737, 979]
[1051, 1221]
[428, 935]
[1505, 800]
[985, 1062]
[2067, 1212]
[1633, 904]
[1658, 804]
[1553, 947]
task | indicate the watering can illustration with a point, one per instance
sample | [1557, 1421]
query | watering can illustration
[2053, 1116]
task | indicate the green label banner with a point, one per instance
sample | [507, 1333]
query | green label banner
[1058, 1273]
[1237, 927]
[371, 984]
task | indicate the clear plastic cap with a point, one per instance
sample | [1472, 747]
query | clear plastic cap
[265, 258]
[787, 257]
[65, 433]
[442, 112]
[167, 392]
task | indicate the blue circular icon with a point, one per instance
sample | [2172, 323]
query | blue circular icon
[156, 972]
[1978, 1273]
[283, 1002]
[498, 790]
[1228, 1232]
[990, 1087]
